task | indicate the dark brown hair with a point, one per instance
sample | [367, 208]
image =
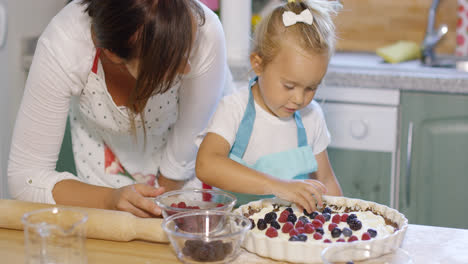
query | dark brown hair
[157, 32]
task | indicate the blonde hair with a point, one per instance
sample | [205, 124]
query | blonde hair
[318, 37]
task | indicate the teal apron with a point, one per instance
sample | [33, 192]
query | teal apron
[295, 163]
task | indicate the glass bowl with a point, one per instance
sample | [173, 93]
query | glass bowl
[189, 199]
[363, 255]
[206, 236]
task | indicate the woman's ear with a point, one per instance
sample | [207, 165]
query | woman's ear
[256, 63]
[113, 57]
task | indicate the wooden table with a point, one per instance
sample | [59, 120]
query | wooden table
[425, 244]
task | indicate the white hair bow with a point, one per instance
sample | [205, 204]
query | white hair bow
[290, 18]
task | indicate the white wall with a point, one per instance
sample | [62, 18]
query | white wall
[26, 20]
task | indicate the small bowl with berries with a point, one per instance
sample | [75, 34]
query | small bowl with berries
[185, 200]
[207, 236]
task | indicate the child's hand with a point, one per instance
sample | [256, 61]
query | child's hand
[132, 198]
[306, 194]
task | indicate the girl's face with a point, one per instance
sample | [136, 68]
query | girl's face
[289, 82]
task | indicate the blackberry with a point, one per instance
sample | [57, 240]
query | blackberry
[261, 224]
[290, 210]
[305, 212]
[347, 232]
[351, 217]
[294, 238]
[327, 216]
[336, 232]
[355, 224]
[270, 217]
[313, 214]
[302, 237]
[253, 223]
[372, 232]
[304, 219]
[275, 224]
[327, 210]
[349, 262]
[319, 230]
[292, 218]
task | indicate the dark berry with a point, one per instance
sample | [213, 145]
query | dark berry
[253, 223]
[305, 212]
[302, 237]
[336, 232]
[372, 232]
[349, 262]
[327, 210]
[327, 216]
[347, 232]
[292, 218]
[290, 210]
[319, 230]
[270, 217]
[313, 214]
[304, 219]
[294, 238]
[261, 224]
[355, 224]
[350, 217]
[275, 224]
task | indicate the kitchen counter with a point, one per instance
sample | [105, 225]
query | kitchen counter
[425, 244]
[366, 70]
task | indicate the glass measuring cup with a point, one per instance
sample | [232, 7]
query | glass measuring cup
[55, 235]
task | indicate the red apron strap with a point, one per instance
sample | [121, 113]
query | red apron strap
[96, 60]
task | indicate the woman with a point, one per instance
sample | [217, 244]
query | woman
[138, 80]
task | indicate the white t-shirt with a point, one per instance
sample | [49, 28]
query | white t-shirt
[56, 83]
[270, 134]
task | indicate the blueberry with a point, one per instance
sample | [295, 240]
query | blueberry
[319, 230]
[372, 232]
[304, 219]
[355, 224]
[275, 224]
[351, 217]
[347, 232]
[261, 224]
[294, 238]
[349, 262]
[336, 232]
[327, 216]
[327, 210]
[292, 218]
[270, 217]
[290, 210]
[302, 237]
[313, 214]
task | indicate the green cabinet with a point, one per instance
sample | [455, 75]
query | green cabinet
[434, 159]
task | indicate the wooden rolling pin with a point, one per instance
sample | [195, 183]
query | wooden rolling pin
[101, 224]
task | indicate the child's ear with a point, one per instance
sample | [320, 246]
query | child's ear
[256, 63]
[113, 57]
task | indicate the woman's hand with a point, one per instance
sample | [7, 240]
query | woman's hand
[133, 199]
[306, 194]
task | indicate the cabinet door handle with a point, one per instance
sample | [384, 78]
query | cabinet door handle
[409, 153]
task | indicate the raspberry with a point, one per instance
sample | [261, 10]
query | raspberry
[288, 226]
[341, 240]
[196, 207]
[292, 218]
[344, 217]
[317, 223]
[353, 238]
[181, 205]
[293, 232]
[347, 232]
[355, 224]
[300, 230]
[174, 205]
[270, 217]
[283, 217]
[350, 217]
[299, 224]
[219, 205]
[309, 228]
[366, 236]
[320, 218]
[336, 219]
[317, 236]
[327, 210]
[286, 212]
[261, 224]
[336, 232]
[271, 232]
[331, 226]
[275, 224]
[327, 241]
[319, 230]
[372, 232]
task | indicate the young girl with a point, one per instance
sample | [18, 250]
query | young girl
[272, 138]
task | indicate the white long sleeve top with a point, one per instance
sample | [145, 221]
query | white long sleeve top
[56, 87]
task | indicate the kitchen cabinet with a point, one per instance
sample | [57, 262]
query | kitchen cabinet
[434, 159]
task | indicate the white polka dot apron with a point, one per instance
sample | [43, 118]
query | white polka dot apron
[106, 152]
